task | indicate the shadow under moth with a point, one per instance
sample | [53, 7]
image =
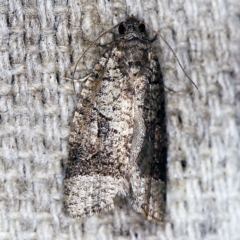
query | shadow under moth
[118, 142]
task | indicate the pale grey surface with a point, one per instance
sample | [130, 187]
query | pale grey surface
[37, 106]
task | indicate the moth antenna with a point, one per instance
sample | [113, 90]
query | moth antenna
[92, 45]
[179, 63]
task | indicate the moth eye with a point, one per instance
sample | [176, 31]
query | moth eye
[141, 27]
[121, 29]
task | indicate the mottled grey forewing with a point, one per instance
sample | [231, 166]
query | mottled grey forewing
[149, 180]
[100, 141]
[91, 180]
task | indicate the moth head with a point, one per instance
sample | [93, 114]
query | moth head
[132, 28]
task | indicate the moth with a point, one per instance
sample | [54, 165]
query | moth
[118, 144]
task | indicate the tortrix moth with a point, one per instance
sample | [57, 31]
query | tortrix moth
[118, 143]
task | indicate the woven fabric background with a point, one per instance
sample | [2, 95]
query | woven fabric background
[41, 41]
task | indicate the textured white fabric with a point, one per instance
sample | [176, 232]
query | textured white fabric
[40, 43]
